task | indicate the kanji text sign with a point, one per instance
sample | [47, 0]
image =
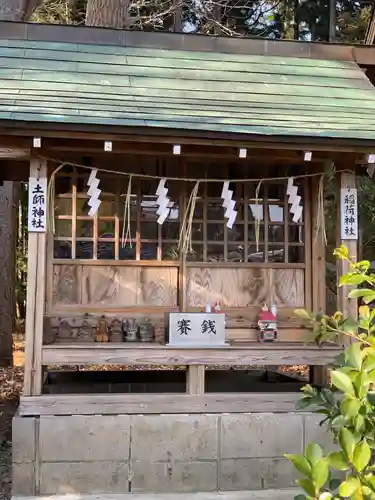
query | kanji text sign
[204, 329]
[349, 214]
[37, 214]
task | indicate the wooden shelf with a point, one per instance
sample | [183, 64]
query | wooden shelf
[284, 353]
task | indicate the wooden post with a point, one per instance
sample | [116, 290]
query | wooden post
[8, 237]
[195, 379]
[318, 375]
[349, 307]
[36, 276]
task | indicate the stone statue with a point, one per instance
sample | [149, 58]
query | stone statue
[116, 331]
[102, 330]
[49, 333]
[146, 331]
[131, 331]
[64, 331]
[85, 333]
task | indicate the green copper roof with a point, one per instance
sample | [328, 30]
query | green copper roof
[96, 84]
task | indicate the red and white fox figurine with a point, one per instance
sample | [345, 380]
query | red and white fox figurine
[267, 324]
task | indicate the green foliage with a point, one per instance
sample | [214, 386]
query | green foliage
[348, 408]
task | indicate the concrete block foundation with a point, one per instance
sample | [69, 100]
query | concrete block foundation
[120, 454]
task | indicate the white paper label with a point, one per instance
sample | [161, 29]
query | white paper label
[196, 329]
[349, 214]
[37, 215]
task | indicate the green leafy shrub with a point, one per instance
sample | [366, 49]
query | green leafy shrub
[348, 409]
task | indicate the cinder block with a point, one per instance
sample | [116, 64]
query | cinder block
[23, 439]
[81, 438]
[316, 434]
[174, 437]
[83, 477]
[176, 477]
[261, 435]
[255, 473]
[23, 479]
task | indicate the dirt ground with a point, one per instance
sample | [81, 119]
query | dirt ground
[11, 380]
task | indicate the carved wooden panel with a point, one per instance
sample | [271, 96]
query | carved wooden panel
[117, 286]
[66, 285]
[230, 287]
[158, 286]
[288, 287]
[110, 286]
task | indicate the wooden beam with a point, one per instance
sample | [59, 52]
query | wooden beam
[318, 374]
[318, 283]
[153, 354]
[349, 307]
[36, 284]
[14, 153]
[22, 136]
[195, 379]
[102, 404]
[32, 250]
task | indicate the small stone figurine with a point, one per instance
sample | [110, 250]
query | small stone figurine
[116, 331]
[131, 331]
[146, 331]
[64, 331]
[85, 333]
[49, 333]
[102, 330]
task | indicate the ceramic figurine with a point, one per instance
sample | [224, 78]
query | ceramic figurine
[116, 331]
[146, 331]
[132, 331]
[85, 333]
[102, 330]
[267, 325]
[64, 331]
[124, 327]
[49, 333]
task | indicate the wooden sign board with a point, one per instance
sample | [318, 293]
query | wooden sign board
[196, 329]
[349, 214]
[37, 210]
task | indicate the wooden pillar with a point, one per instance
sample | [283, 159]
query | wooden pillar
[318, 374]
[196, 379]
[349, 307]
[36, 282]
[8, 239]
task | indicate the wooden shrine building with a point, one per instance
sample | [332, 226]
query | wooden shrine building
[95, 109]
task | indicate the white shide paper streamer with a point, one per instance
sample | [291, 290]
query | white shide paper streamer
[294, 200]
[228, 204]
[93, 192]
[162, 201]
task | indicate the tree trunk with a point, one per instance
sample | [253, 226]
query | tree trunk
[17, 10]
[8, 236]
[108, 13]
